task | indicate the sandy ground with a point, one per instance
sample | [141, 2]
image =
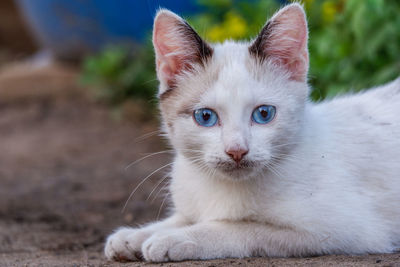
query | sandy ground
[63, 180]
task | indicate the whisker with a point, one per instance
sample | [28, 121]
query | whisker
[150, 81]
[147, 156]
[274, 168]
[158, 192]
[277, 159]
[275, 171]
[158, 184]
[285, 144]
[192, 150]
[212, 172]
[144, 180]
[147, 135]
[157, 153]
[283, 154]
[162, 204]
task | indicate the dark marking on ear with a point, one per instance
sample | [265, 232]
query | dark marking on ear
[204, 50]
[257, 48]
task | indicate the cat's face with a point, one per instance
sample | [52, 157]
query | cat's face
[233, 109]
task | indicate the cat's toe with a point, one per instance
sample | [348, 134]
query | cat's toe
[125, 244]
[169, 247]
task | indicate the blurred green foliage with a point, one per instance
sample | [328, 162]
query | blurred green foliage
[117, 74]
[353, 45]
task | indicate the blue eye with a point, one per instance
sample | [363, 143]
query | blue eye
[205, 117]
[263, 114]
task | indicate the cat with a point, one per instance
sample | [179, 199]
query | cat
[259, 170]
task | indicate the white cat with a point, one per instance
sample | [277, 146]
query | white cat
[259, 170]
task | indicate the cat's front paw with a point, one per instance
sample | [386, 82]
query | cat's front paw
[125, 244]
[170, 246]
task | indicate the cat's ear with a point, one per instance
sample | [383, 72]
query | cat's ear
[177, 47]
[283, 41]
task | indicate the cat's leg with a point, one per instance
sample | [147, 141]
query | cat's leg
[227, 239]
[125, 243]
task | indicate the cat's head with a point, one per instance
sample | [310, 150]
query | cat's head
[233, 107]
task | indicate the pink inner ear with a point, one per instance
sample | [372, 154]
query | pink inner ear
[168, 67]
[169, 46]
[287, 43]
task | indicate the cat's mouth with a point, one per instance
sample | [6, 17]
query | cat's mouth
[231, 167]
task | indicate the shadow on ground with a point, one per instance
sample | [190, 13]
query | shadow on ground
[63, 180]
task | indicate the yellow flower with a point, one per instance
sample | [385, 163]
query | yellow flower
[233, 26]
[216, 34]
[329, 10]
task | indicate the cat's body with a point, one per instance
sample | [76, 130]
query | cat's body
[341, 190]
[315, 179]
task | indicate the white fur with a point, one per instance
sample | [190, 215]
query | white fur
[325, 177]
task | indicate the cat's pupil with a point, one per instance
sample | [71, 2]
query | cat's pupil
[264, 113]
[206, 116]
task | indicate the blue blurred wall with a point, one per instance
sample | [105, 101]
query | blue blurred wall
[73, 27]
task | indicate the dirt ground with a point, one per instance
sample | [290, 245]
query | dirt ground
[63, 180]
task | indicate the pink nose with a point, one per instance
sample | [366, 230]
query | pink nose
[237, 154]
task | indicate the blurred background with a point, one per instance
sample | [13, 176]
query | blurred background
[78, 106]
